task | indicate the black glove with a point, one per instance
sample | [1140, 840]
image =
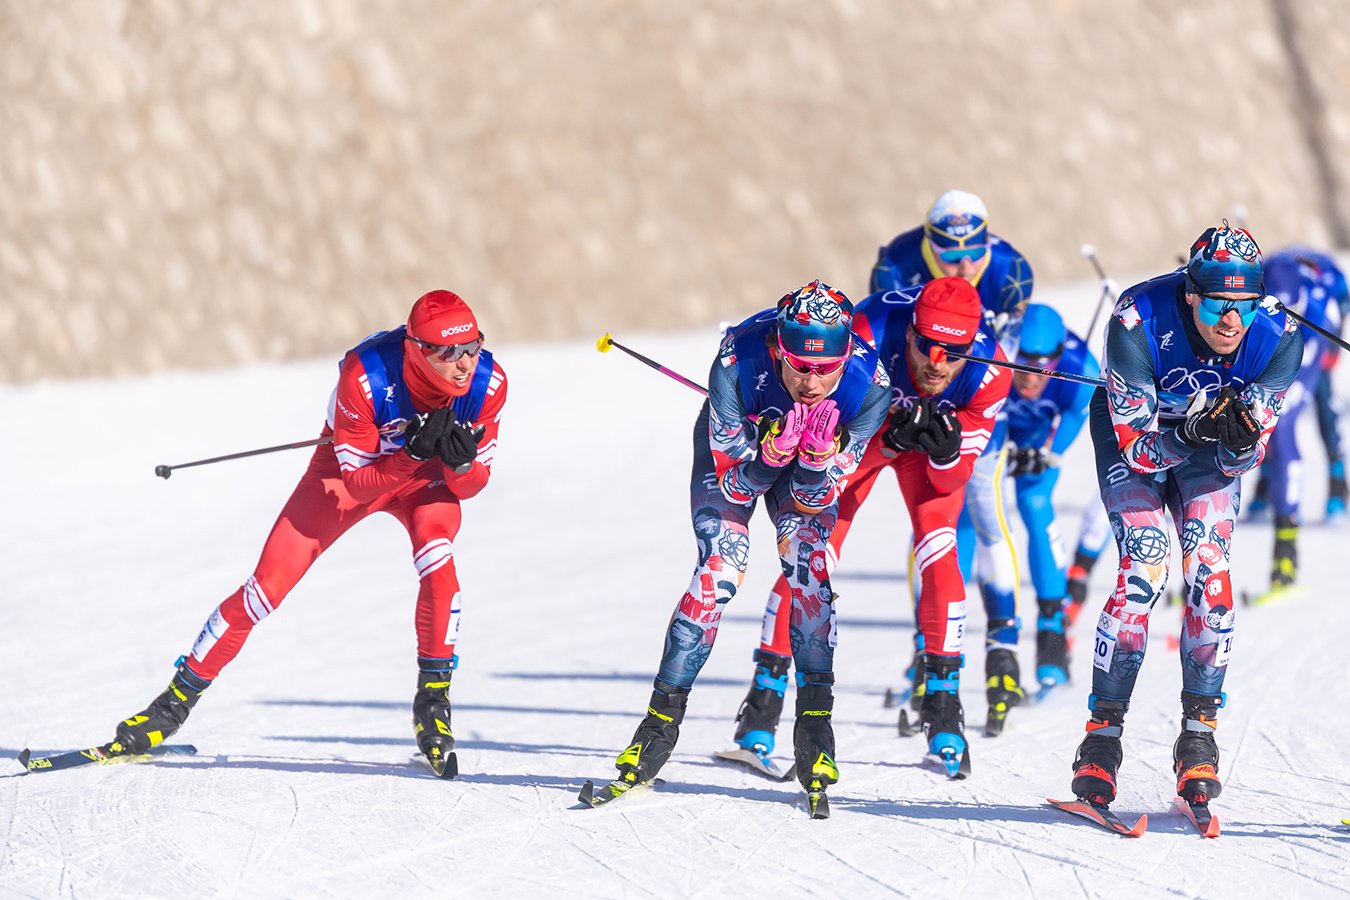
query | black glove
[424, 430]
[1027, 461]
[458, 446]
[941, 439]
[905, 424]
[1239, 430]
[1206, 427]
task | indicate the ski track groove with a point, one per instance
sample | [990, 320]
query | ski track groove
[847, 866]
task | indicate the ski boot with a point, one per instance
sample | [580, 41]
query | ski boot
[944, 722]
[1002, 674]
[914, 675]
[757, 719]
[1338, 494]
[1195, 756]
[656, 734]
[431, 715]
[1099, 755]
[1284, 561]
[162, 718]
[1077, 584]
[1258, 505]
[1052, 647]
[813, 739]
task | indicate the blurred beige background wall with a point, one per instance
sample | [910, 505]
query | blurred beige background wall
[196, 183]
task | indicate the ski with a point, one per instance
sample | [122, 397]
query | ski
[443, 765]
[956, 768]
[994, 722]
[108, 753]
[907, 728]
[816, 802]
[1274, 596]
[760, 765]
[591, 796]
[1345, 821]
[1047, 690]
[1204, 821]
[1101, 816]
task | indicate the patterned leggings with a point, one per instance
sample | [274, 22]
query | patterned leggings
[1202, 503]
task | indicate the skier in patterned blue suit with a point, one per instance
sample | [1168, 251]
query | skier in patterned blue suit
[1044, 417]
[1327, 298]
[955, 241]
[794, 396]
[1196, 375]
[1309, 283]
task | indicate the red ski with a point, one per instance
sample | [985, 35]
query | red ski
[1101, 815]
[1204, 821]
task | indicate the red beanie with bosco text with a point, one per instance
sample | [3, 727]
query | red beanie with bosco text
[948, 310]
[442, 317]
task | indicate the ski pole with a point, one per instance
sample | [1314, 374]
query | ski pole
[166, 471]
[1108, 286]
[606, 342]
[1272, 303]
[938, 354]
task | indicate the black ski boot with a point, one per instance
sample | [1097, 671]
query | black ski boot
[915, 674]
[1195, 755]
[944, 721]
[757, 719]
[1284, 561]
[1052, 647]
[1003, 686]
[655, 738]
[813, 739]
[1099, 755]
[431, 715]
[163, 717]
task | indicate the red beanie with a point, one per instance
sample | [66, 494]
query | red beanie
[948, 310]
[442, 317]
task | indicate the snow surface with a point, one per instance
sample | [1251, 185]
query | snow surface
[306, 782]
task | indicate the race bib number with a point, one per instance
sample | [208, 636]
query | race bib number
[1104, 642]
[955, 636]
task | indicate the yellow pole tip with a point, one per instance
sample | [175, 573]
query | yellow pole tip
[604, 343]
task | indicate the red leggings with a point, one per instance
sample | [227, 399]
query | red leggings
[941, 609]
[319, 511]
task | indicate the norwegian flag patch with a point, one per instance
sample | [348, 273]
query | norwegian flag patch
[1234, 281]
[814, 345]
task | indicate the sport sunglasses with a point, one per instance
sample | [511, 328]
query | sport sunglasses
[925, 346]
[1212, 309]
[803, 366]
[450, 352]
[952, 257]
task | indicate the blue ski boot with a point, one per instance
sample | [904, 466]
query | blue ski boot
[757, 719]
[944, 721]
[1337, 492]
[1052, 646]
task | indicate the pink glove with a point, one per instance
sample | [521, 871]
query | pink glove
[779, 445]
[820, 437]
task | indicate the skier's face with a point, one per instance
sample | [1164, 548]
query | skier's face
[966, 266]
[929, 377]
[1029, 385]
[1225, 335]
[808, 388]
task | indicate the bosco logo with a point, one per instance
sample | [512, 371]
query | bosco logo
[458, 329]
[945, 329]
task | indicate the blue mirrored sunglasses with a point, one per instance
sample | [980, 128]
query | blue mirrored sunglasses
[952, 257]
[1212, 309]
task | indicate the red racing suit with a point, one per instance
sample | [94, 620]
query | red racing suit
[363, 471]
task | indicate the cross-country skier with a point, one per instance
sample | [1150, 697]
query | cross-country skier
[1196, 374]
[1044, 417]
[432, 377]
[942, 416]
[1310, 284]
[955, 241]
[1314, 286]
[793, 398]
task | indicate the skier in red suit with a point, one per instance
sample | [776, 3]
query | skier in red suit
[413, 423]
